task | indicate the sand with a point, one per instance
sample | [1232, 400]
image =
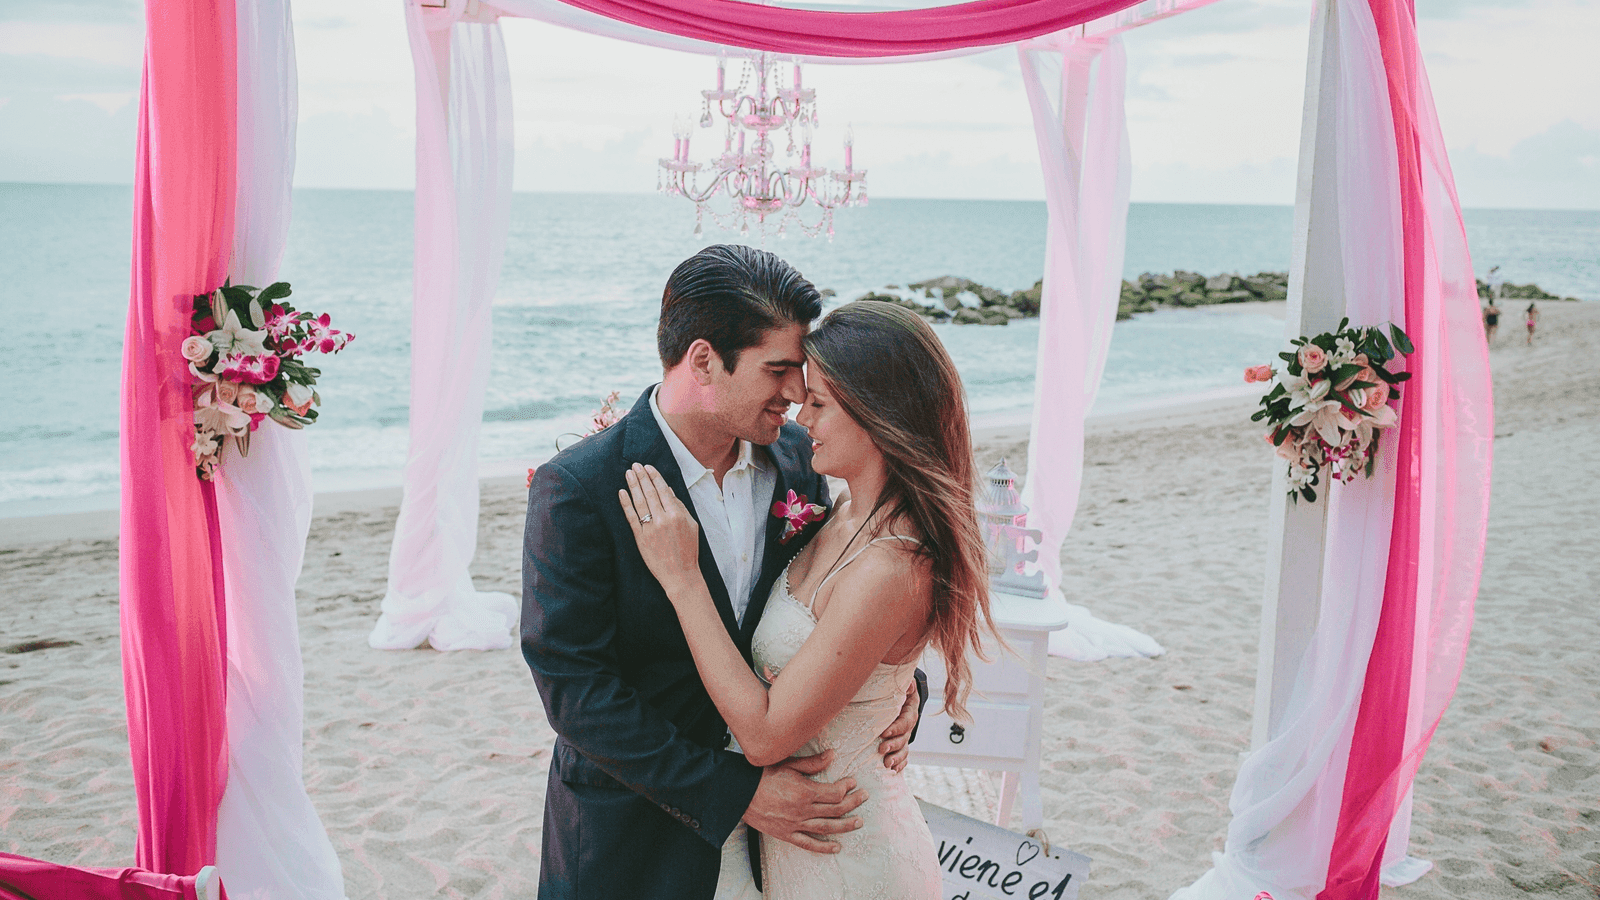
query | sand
[428, 769]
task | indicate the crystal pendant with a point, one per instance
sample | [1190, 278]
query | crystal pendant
[705, 118]
[698, 230]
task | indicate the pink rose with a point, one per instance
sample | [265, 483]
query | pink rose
[1376, 396]
[227, 391]
[196, 349]
[1313, 358]
[1257, 373]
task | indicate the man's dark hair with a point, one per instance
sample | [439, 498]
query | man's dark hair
[731, 295]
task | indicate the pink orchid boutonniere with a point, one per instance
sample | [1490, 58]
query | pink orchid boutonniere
[797, 512]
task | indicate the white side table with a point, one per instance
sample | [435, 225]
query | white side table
[1006, 703]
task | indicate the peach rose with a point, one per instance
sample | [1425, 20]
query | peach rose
[253, 401]
[1313, 358]
[298, 398]
[227, 391]
[1257, 373]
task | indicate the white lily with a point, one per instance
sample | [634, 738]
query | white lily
[1317, 410]
[233, 337]
[211, 414]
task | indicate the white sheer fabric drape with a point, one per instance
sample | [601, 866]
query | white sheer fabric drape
[463, 202]
[271, 845]
[1286, 800]
[1076, 90]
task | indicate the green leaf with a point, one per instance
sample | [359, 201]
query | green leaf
[1401, 376]
[1309, 494]
[1401, 340]
[1260, 415]
[1345, 371]
[274, 291]
[1287, 357]
[1343, 324]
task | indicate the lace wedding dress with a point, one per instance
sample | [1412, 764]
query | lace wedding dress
[891, 856]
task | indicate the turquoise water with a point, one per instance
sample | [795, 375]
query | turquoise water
[574, 316]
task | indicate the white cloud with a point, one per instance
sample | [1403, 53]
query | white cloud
[110, 102]
[102, 43]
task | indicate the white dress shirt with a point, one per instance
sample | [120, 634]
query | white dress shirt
[732, 516]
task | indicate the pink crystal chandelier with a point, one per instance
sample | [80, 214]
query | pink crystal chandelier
[748, 171]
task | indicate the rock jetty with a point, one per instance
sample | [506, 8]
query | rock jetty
[966, 302]
[1510, 291]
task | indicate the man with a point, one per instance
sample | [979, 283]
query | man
[644, 788]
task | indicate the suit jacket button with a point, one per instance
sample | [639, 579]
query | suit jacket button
[695, 824]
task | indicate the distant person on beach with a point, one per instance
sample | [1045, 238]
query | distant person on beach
[647, 796]
[1496, 284]
[1491, 321]
[1533, 319]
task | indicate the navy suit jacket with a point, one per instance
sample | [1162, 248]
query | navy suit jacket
[641, 794]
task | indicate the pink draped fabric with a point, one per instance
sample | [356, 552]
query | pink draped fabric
[22, 878]
[984, 23]
[1442, 492]
[171, 570]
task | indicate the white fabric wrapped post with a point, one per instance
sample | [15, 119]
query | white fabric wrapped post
[1081, 128]
[270, 842]
[463, 202]
[1286, 801]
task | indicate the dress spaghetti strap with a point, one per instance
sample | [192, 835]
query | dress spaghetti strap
[840, 567]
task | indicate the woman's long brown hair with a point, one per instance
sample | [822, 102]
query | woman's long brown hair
[889, 372]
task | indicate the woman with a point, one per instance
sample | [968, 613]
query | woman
[898, 565]
[1533, 319]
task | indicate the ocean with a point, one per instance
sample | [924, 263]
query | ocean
[574, 316]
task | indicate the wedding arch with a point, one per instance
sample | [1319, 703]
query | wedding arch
[1369, 595]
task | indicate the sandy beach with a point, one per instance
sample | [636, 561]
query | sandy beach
[428, 769]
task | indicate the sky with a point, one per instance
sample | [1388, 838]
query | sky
[1214, 104]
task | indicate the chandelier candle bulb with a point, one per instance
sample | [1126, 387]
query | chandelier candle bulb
[764, 178]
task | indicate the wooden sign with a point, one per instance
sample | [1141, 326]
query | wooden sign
[979, 861]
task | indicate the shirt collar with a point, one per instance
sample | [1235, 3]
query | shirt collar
[690, 467]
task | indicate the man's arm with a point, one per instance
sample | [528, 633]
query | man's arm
[569, 619]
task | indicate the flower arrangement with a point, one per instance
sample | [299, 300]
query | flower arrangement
[599, 420]
[1331, 402]
[244, 353]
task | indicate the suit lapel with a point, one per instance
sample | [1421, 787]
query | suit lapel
[644, 443]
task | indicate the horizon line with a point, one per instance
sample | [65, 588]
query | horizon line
[646, 193]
